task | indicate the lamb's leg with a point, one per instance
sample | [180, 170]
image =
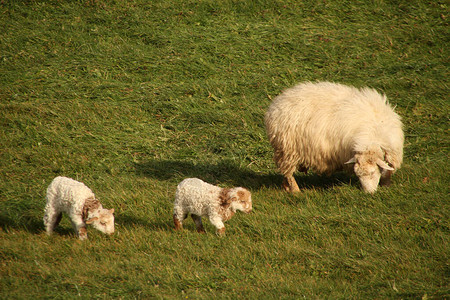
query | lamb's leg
[217, 222]
[51, 220]
[178, 220]
[79, 226]
[198, 223]
[58, 219]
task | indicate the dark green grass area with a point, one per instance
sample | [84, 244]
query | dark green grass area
[131, 97]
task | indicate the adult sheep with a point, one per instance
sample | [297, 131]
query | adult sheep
[327, 126]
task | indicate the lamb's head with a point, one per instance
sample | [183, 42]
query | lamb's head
[241, 199]
[102, 219]
[369, 165]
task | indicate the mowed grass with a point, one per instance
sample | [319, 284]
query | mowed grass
[131, 97]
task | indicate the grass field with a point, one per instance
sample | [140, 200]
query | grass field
[131, 97]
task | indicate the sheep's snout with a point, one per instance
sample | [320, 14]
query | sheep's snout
[369, 185]
[247, 206]
[369, 180]
[104, 222]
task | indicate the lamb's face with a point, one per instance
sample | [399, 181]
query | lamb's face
[243, 201]
[104, 222]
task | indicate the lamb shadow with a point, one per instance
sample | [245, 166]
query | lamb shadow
[133, 221]
[28, 224]
[228, 172]
[31, 225]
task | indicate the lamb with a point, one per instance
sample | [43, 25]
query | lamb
[199, 198]
[328, 127]
[79, 202]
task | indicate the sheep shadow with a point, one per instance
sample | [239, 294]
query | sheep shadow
[224, 172]
[228, 172]
[324, 182]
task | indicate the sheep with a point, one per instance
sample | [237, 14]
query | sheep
[79, 202]
[200, 199]
[328, 127]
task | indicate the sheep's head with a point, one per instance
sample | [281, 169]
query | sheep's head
[241, 199]
[368, 167]
[102, 220]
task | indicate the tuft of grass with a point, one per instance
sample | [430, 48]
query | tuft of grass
[131, 97]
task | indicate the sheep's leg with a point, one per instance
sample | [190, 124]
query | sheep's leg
[198, 223]
[178, 220]
[287, 166]
[290, 184]
[58, 219]
[217, 222]
[221, 231]
[385, 179]
[80, 227]
[51, 220]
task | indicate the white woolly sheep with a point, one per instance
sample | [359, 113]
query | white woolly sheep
[79, 202]
[325, 126]
[200, 199]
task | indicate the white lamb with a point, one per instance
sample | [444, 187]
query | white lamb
[325, 125]
[78, 201]
[199, 198]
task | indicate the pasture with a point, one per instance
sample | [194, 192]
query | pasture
[131, 97]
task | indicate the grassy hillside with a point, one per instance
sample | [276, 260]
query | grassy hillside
[131, 97]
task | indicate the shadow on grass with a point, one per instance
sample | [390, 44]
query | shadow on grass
[36, 226]
[225, 172]
[232, 174]
[324, 182]
[153, 224]
[31, 225]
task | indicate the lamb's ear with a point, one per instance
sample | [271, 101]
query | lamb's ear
[111, 210]
[243, 195]
[384, 165]
[91, 220]
[231, 199]
[351, 161]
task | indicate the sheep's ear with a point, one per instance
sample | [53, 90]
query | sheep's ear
[111, 210]
[91, 220]
[351, 161]
[384, 165]
[243, 195]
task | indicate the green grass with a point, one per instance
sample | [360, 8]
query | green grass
[131, 97]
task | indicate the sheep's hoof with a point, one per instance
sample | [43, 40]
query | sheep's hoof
[290, 186]
[82, 237]
[82, 234]
[178, 224]
[201, 230]
[221, 231]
